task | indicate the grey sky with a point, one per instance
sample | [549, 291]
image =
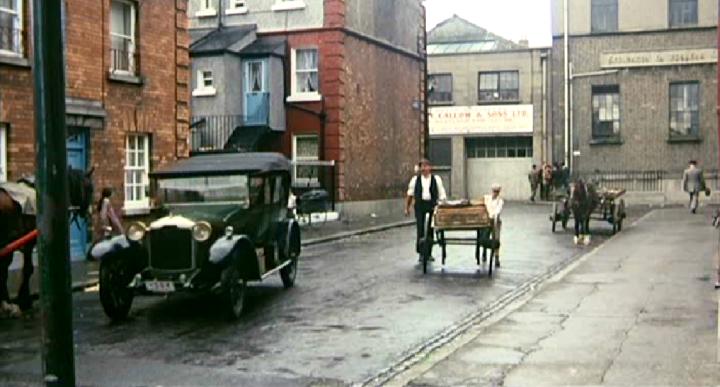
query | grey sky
[512, 19]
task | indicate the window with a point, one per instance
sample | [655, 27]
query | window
[137, 167]
[441, 152]
[205, 84]
[440, 88]
[306, 148]
[205, 189]
[684, 109]
[255, 77]
[305, 77]
[683, 13]
[207, 8]
[11, 27]
[498, 87]
[604, 15]
[122, 37]
[236, 7]
[3, 152]
[499, 147]
[606, 112]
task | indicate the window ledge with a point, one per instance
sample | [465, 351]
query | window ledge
[210, 12]
[304, 98]
[684, 139]
[135, 211]
[607, 141]
[442, 103]
[207, 92]
[125, 78]
[288, 5]
[507, 102]
[13, 60]
[236, 11]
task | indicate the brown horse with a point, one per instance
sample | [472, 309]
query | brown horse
[14, 224]
[583, 201]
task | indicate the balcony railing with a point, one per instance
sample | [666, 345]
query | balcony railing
[11, 40]
[211, 133]
[123, 61]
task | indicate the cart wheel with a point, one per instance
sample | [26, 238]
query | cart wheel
[426, 244]
[491, 263]
[554, 216]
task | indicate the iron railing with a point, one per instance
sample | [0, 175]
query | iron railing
[211, 133]
[635, 181]
[11, 40]
[314, 175]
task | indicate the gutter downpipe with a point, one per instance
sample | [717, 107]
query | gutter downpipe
[544, 151]
[566, 65]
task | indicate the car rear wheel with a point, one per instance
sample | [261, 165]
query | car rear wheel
[115, 295]
[233, 292]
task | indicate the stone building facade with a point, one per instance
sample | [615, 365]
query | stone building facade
[488, 109]
[350, 80]
[642, 91]
[127, 87]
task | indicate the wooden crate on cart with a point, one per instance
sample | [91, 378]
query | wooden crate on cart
[469, 214]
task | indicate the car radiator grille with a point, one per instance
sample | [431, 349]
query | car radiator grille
[171, 249]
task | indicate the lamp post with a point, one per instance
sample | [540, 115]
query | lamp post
[52, 220]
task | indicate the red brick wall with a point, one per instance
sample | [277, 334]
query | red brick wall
[158, 107]
[381, 129]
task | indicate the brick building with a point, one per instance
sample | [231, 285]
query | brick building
[127, 87]
[642, 86]
[488, 109]
[329, 80]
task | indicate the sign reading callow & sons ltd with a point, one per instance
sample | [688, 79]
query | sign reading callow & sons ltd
[491, 119]
[659, 58]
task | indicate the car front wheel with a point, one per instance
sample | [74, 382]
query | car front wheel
[233, 291]
[116, 296]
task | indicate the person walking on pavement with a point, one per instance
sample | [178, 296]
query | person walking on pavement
[424, 191]
[534, 179]
[693, 182]
[107, 219]
[546, 181]
[494, 204]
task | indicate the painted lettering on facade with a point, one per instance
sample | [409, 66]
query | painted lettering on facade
[659, 58]
[458, 120]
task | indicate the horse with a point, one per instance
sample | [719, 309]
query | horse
[582, 201]
[14, 223]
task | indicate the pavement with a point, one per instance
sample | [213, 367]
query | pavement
[639, 310]
[85, 273]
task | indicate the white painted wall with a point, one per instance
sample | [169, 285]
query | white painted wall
[510, 173]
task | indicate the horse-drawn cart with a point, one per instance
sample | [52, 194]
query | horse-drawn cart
[464, 217]
[610, 208]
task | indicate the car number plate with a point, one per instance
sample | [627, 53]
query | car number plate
[160, 286]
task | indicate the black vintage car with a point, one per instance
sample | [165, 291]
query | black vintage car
[223, 222]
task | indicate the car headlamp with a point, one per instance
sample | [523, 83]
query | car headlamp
[201, 231]
[136, 231]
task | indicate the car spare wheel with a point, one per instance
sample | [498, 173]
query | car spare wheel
[116, 296]
[233, 291]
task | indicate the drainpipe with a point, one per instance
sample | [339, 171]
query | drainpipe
[221, 7]
[566, 66]
[544, 142]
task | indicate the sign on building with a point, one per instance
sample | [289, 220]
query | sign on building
[497, 119]
[659, 58]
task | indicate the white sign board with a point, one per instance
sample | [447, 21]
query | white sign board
[659, 58]
[490, 119]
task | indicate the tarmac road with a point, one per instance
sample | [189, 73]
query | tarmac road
[359, 305]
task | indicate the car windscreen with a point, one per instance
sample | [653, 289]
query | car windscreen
[205, 189]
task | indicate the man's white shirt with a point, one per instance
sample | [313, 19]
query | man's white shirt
[494, 206]
[425, 183]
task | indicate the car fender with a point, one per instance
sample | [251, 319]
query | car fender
[239, 247]
[109, 246]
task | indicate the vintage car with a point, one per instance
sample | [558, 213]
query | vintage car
[223, 222]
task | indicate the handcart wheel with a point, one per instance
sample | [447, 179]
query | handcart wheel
[491, 263]
[619, 214]
[426, 243]
[554, 216]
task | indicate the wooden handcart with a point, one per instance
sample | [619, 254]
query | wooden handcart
[610, 209]
[464, 216]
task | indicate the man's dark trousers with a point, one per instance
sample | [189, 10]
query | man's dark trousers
[422, 207]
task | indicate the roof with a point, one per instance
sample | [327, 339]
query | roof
[221, 39]
[267, 45]
[459, 36]
[225, 163]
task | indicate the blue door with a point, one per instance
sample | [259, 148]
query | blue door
[257, 98]
[77, 159]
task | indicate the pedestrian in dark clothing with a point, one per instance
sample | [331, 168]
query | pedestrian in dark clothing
[693, 182]
[546, 181]
[565, 176]
[534, 179]
[424, 192]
